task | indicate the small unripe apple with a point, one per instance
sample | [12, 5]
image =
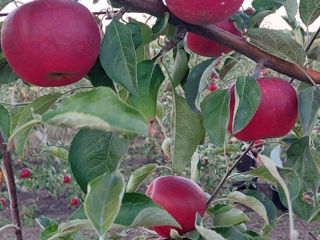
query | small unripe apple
[51, 42]
[74, 201]
[25, 173]
[66, 179]
[202, 12]
[212, 87]
[3, 201]
[276, 114]
[181, 198]
[208, 48]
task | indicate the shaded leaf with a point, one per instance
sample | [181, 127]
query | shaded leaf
[230, 233]
[103, 200]
[37, 106]
[209, 234]
[3, 3]
[278, 43]
[161, 24]
[5, 121]
[150, 77]
[291, 7]
[216, 116]
[7, 75]
[230, 217]
[180, 68]
[94, 152]
[98, 109]
[188, 133]
[139, 175]
[136, 34]
[309, 11]
[247, 99]
[98, 77]
[309, 104]
[60, 153]
[117, 55]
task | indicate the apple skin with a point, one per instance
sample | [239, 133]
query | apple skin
[276, 113]
[66, 179]
[208, 48]
[51, 42]
[212, 87]
[74, 201]
[180, 197]
[203, 12]
[25, 173]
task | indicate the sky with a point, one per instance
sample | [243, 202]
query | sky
[273, 21]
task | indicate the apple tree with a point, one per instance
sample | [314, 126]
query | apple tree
[212, 66]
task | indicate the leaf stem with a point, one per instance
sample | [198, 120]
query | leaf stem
[224, 179]
[14, 206]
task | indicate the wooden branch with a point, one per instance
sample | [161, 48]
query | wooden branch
[157, 9]
[14, 207]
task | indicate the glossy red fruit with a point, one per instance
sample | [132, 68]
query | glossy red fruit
[202, 12]
[207, 48]
[51, 42]
[74, 201]
[212, 87]
[66, 179]
[25, 173]
[181, 197]
[276, 113]
[3, 201]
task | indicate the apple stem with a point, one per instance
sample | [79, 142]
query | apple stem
[224, 179]
[14, 207]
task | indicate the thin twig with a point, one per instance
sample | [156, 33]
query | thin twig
[224, 179]
[312, 40]
[14, 207]
[305, 227]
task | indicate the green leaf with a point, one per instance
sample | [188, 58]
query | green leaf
[315, 216]
[188, 133]
[3, 3]
[5, 121]
[180, 68]
[73, 226]
[139, 210]
[49, 232]
[118, 56]
[98, 77]
[195, 167]
[299, 158]
[78, 214]
[94, 152]
[193, 89]
[309, 11]
[268, 204]
[231, 233]
[250, 202]
[259, 16]
[161, 24]
[278, 43]
[136, 34]
[139, 175]
[103, 200]
[262, 172]
[230, 217]
[291, 7]
[37, 106]
[314, 53]
[209, 234]
[60, 153]
[316, 158]
[216, 117]
[146, 32]
[228, 148]
[150, 77]
[309, 104]
[247, 99]
[267, 4]
[7, 75]
[98, 109]
[45, 222]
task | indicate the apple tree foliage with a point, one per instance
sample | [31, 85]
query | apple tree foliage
[126, 80]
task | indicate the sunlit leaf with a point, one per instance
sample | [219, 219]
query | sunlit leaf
[139, 175]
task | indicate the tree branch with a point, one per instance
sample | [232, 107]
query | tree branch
[14, 207]
[157, 9]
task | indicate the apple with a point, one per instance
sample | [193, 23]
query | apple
[51, 42]
[202, 12]
[276, 114]
[3, 201]
[25, 173]
[208, 48]
[212, 87]
[180, 197]
[74, 201]
[66, 179]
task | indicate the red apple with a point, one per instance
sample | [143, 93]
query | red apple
[25, 173]
[3, 201]
[207, 48]
[74, 201]
[181, 197]
[202, 12]
[212, 87]
[276, 113]
[66, 179]
[51, 42]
